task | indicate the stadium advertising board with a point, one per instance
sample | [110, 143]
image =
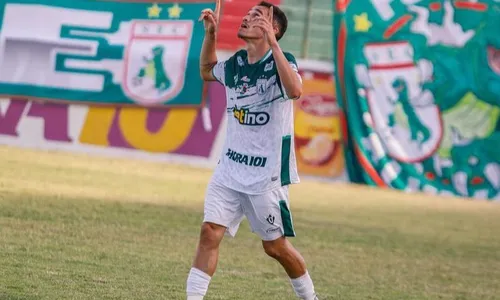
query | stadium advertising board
[318, 138]
[102, 52]
[420, 86]
[173, 134]
[109, 129]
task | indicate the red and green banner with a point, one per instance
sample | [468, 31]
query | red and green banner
[419, 87]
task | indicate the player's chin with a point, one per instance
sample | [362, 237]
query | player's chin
[246, 34]
[242, 34]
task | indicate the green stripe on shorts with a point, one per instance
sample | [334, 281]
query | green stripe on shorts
[286, 219]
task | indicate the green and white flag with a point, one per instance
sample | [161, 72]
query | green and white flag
[420, 89]
[102, 52]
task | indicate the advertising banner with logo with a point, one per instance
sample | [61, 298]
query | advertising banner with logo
[177, 134]
[318, 138]
[102, 52]
[420, 87]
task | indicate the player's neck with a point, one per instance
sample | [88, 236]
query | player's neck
[256, 51]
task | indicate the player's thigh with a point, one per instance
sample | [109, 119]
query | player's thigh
[223, 207]
[269, 214]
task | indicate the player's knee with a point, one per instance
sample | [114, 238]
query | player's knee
[276, 248]
[211, 235]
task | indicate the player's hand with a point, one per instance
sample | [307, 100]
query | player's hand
[211, 18]
[266, 24]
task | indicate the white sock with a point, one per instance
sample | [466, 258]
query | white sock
[304, 287]
[197, 284]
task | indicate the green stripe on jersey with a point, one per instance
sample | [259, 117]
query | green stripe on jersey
[286, 143]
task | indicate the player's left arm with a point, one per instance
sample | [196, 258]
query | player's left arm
[288, 73]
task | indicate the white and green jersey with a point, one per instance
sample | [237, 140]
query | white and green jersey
[258, 154]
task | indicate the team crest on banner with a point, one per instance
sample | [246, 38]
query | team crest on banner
[156, 60]
[419, 84]
[403, 114]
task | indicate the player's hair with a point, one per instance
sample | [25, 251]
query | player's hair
[279, 16]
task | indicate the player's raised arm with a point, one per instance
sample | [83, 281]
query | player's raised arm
[208, 55]
[289, 77]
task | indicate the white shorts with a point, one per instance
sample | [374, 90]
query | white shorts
[268, 214]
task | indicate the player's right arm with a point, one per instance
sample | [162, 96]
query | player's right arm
[208, 56]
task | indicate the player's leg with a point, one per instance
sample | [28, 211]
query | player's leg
[270, 217]
[222, 214]
[292, 261]
[205, 261]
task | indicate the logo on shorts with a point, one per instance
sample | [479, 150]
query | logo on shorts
[270, 219]
[272, 229]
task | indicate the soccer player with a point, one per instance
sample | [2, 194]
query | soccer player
[258, 163]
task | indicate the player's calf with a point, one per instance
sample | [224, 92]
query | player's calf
[293, 263]
[207, 253]
[205, 262]
[283, 251]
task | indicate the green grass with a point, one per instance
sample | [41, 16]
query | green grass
[78, 227]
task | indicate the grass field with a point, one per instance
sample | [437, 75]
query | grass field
[78, 227]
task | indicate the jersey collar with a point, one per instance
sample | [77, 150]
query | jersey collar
[264, 58]
[268, 54]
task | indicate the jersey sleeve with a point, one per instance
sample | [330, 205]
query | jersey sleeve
[219, 71]
[223, 71]
[293, 63]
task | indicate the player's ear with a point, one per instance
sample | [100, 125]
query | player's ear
[276, 28]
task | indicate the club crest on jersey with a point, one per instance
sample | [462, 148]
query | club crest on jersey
[261, 86]
[245, 117]
[155, 60]
[269, 66]
[240, 61]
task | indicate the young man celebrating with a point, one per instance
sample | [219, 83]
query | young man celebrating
[258, 162]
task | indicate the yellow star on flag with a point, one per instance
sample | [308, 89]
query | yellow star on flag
[154, 11]
[361, 22]
[175, 11]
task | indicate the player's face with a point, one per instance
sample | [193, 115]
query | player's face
[247, 29]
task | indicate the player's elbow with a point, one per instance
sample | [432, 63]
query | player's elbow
[206, 75]
[206, 71]
[295, 93]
